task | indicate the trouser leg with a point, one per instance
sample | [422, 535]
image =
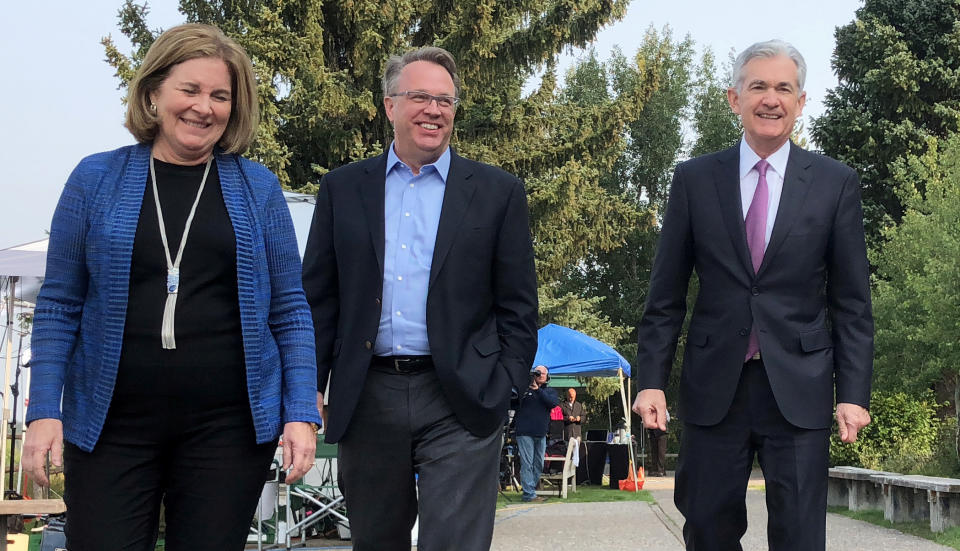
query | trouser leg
[376, 466]
[113, 496]
[214, 481]
[457, 476]
[528, 476]
[539, 452]
[795, 463]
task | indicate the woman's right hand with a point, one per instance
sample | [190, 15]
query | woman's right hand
[42, 436]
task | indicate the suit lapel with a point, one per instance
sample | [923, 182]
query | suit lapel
[796, 184]
[372, 192]
[727, 179]
[457, 194]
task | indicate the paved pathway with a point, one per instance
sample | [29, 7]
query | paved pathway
[643, 526]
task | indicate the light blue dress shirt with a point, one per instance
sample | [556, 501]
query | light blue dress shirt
[411, 213]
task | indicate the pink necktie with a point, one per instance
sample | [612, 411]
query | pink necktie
[756, 227]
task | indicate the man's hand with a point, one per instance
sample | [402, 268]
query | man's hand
[43, 436]
[651, 406]
[323, 410]
[299, 444]
[851, 418]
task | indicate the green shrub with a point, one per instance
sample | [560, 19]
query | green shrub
[904, 435]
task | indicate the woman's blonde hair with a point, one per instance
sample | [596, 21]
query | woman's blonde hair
[183, 43]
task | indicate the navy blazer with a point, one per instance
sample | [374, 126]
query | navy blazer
[810, 299]
[481, 301]
[81, 308]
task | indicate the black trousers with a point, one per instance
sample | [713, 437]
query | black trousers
[203, 463]
[403, 426]
[658, 451]
[714, 468]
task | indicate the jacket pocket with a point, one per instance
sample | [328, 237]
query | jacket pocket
[488, 345]
[817, 339]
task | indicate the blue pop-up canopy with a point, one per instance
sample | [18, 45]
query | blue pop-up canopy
[568, 352]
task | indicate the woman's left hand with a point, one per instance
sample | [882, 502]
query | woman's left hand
[299, 444]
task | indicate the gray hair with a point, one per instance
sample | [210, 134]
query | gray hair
[432, 54]
[770, 48]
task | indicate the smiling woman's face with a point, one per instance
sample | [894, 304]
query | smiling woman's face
[193, 105]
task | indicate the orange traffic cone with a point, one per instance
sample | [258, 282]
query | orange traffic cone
[633, 484]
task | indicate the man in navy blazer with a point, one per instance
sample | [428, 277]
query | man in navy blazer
[782, 319]
[420, 275]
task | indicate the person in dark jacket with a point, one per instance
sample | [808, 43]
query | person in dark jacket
[533, 422]
[573, 415]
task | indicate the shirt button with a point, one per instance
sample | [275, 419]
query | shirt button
[406, 214]
[411, 185]
[399, 278]
[403, 245]
[368, 345]
[399, 347]
[399, 313]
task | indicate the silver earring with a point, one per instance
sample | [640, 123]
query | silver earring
[153, 108]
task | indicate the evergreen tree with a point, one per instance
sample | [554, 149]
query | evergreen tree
[898, 72]
[319, 63]
[715, 125]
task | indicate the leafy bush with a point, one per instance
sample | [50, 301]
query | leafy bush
[904, 435]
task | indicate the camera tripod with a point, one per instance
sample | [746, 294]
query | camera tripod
[508, 470]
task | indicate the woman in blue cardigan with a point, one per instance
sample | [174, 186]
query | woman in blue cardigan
[172, 341]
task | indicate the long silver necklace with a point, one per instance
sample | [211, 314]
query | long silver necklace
[173, 267]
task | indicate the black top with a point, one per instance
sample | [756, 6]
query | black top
[207, 364]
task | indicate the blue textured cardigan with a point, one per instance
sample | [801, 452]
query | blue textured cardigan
[81, 309]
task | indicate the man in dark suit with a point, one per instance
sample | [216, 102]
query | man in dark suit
[781, 321]
[573, 415]
[419, 271]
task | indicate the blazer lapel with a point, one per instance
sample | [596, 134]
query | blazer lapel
[727, 179]
[456, 198]
[796, 184]
[372, 192]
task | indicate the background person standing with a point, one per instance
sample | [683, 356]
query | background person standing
[573, 415]
[533, 422]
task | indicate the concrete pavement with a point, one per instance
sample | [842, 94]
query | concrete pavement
[643, 526]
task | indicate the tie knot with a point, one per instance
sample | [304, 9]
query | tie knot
[762, 166]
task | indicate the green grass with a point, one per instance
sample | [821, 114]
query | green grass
[584, 494]
[950, 538]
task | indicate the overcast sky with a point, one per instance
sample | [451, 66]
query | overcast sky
[59, 100]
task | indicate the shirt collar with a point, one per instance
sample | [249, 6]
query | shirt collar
[749, 159]
[441, 165]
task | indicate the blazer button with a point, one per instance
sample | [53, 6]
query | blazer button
[743, 332]
[755, 290]
[368, 345]
[378, 301]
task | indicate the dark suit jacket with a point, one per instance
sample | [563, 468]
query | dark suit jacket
[571, 429]
[481, 302]
[810, 300]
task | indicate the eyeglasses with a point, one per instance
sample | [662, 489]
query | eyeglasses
[444, 102]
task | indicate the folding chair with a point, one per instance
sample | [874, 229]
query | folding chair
[308, 504]
[263, 529]
[569, 471]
